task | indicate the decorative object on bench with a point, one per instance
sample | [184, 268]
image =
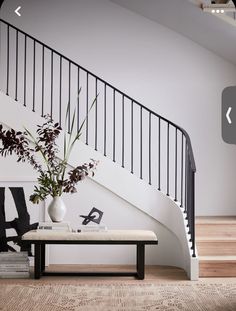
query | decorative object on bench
[57, 209]
[140, 238]
[54, 179]
[55, 226]
[95, 215]
[92, 228]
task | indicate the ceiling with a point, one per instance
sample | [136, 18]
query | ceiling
[187, 18]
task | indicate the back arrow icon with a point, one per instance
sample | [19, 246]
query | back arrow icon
[227, 115]
[17, 11]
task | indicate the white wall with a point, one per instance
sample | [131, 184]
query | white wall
[165, 71]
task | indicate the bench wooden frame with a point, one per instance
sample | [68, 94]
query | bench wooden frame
[39, 265]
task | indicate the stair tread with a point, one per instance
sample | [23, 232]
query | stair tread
[210, 220]
[217, 258]
[216, 239]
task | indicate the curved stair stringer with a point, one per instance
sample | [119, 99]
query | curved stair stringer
[139, 193]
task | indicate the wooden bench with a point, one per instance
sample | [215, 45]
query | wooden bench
[140, 238]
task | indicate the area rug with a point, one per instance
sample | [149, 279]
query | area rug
[118, 297]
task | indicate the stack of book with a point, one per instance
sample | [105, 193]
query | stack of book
[14, 265]
[92, 228]
[55, 226]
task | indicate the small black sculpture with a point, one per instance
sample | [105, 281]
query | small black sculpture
[95, 215]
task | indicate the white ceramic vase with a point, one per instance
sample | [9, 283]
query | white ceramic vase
[57, 209]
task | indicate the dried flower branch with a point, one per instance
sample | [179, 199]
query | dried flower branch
[53, 180]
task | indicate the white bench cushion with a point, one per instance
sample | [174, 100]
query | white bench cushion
[110, 235]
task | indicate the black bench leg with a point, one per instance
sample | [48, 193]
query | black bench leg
[37, 261]
[140, 261]
[42, 258]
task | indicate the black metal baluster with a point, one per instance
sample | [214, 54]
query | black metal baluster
[34, 85]
[168, 159]
[0, 45]
[176, 163]
[114, 126]
[193, 214]
[51, 113]
[16, 86]
[43, 51]
[60, 91]
[132, 137]
[8, 60]
[69, 96]
[150, 148]
[105, 120]
[159, 153]
[182, 168]
[25, 70]
[87, 109]
[186, 180]
[141, 142]
[189, 200]
[78, 98]
[123, 131]
[96, 115]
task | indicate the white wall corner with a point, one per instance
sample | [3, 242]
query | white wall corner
[194, 269]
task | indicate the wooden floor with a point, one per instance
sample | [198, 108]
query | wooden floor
[160, 274]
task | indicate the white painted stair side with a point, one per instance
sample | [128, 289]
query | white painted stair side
[116, 179]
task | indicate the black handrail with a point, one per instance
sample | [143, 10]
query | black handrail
[183, 180]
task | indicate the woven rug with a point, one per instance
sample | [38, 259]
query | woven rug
[118, 296]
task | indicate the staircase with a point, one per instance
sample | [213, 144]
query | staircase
[216, 243]
[148, 146]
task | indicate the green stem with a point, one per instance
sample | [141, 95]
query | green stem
[40, 149]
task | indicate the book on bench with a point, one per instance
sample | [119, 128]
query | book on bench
[92, 228]
[55, 226]
[65, 227]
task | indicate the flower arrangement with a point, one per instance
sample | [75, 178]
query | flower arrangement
[54, 176]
